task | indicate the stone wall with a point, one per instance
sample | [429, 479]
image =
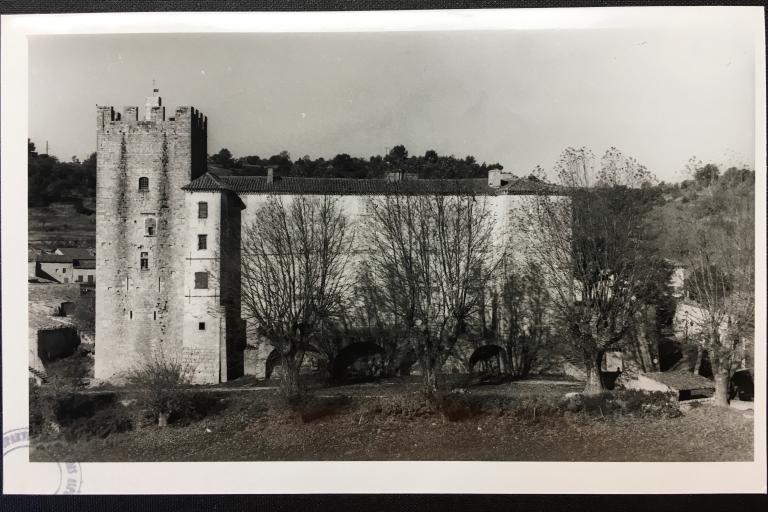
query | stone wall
[140, 310]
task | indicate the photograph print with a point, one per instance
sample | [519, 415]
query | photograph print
[477, 245]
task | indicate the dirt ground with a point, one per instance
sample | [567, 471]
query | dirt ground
[252, 425]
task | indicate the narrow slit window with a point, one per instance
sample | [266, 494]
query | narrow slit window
[143, 184]
[201, 280]
[144, 261]
[202, 242]
[130, 314]
[202, 210]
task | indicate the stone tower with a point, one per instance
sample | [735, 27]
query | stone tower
[141, 230]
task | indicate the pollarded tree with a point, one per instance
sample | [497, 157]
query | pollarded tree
[592, 247]
[431, 257]
[717, 247]
[294, 257]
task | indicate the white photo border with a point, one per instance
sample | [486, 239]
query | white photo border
[352, 477]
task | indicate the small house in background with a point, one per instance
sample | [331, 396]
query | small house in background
[84, 271]
[687, 385]
[67, 265]
[76, 253]
[54, 267]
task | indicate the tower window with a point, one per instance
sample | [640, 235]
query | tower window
[202, 242]
[144, 261]
[143, 184]
[202, 210]
[149, 226]
[201, 326]
[201, 280]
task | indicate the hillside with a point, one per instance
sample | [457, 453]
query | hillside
[61, 225]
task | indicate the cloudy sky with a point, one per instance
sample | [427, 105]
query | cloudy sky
[514, 97]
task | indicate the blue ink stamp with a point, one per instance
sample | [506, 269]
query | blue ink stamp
[66, 478]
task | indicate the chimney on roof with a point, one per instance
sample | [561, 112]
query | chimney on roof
[270, 175]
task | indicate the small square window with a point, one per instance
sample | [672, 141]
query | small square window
[201, 280]
[64, 270]
[80, 278]
[202, 210]
[143, 184]
[149, 226]
[201, 326]
[202, 242]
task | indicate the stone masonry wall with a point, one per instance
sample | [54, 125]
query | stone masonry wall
[139, 311]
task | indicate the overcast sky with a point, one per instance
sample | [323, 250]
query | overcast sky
[515, 97]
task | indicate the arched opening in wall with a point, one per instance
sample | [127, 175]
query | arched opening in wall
[359, 360]
[490, 358]
[150, 224]
[143, 184]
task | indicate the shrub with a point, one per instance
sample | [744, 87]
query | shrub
[70, 373]
[655, 404]
[43, 406]
[104, 422]
[646, 404]
[457, 406]
[309, 409]
[534, 410]
[161, 386]
[75, 415]
[402, 406]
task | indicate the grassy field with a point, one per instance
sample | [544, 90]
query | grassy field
[388, 421]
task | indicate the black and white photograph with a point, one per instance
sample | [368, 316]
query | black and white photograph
[522, 244]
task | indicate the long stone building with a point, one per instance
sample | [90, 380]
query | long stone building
[168, 237]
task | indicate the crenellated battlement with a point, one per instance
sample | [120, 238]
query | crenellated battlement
[185, 117]
[143, 160]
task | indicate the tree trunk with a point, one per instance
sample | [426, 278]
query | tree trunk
[699, 358]
[430, 379]
[162, 419]
[722, 388]
[594, 385]
[290, 378]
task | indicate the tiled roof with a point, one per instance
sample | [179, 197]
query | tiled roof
[85, 264]
[53, 258]
[77, 252]
[681, 380]
[352, 186]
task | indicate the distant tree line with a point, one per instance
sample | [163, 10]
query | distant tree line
[429, 165]
[51, 180]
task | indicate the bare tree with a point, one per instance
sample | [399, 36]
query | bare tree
[591, 247]
[293, 274]
[524, 327]
[718, 252]
[161, 381]
[431, 257]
